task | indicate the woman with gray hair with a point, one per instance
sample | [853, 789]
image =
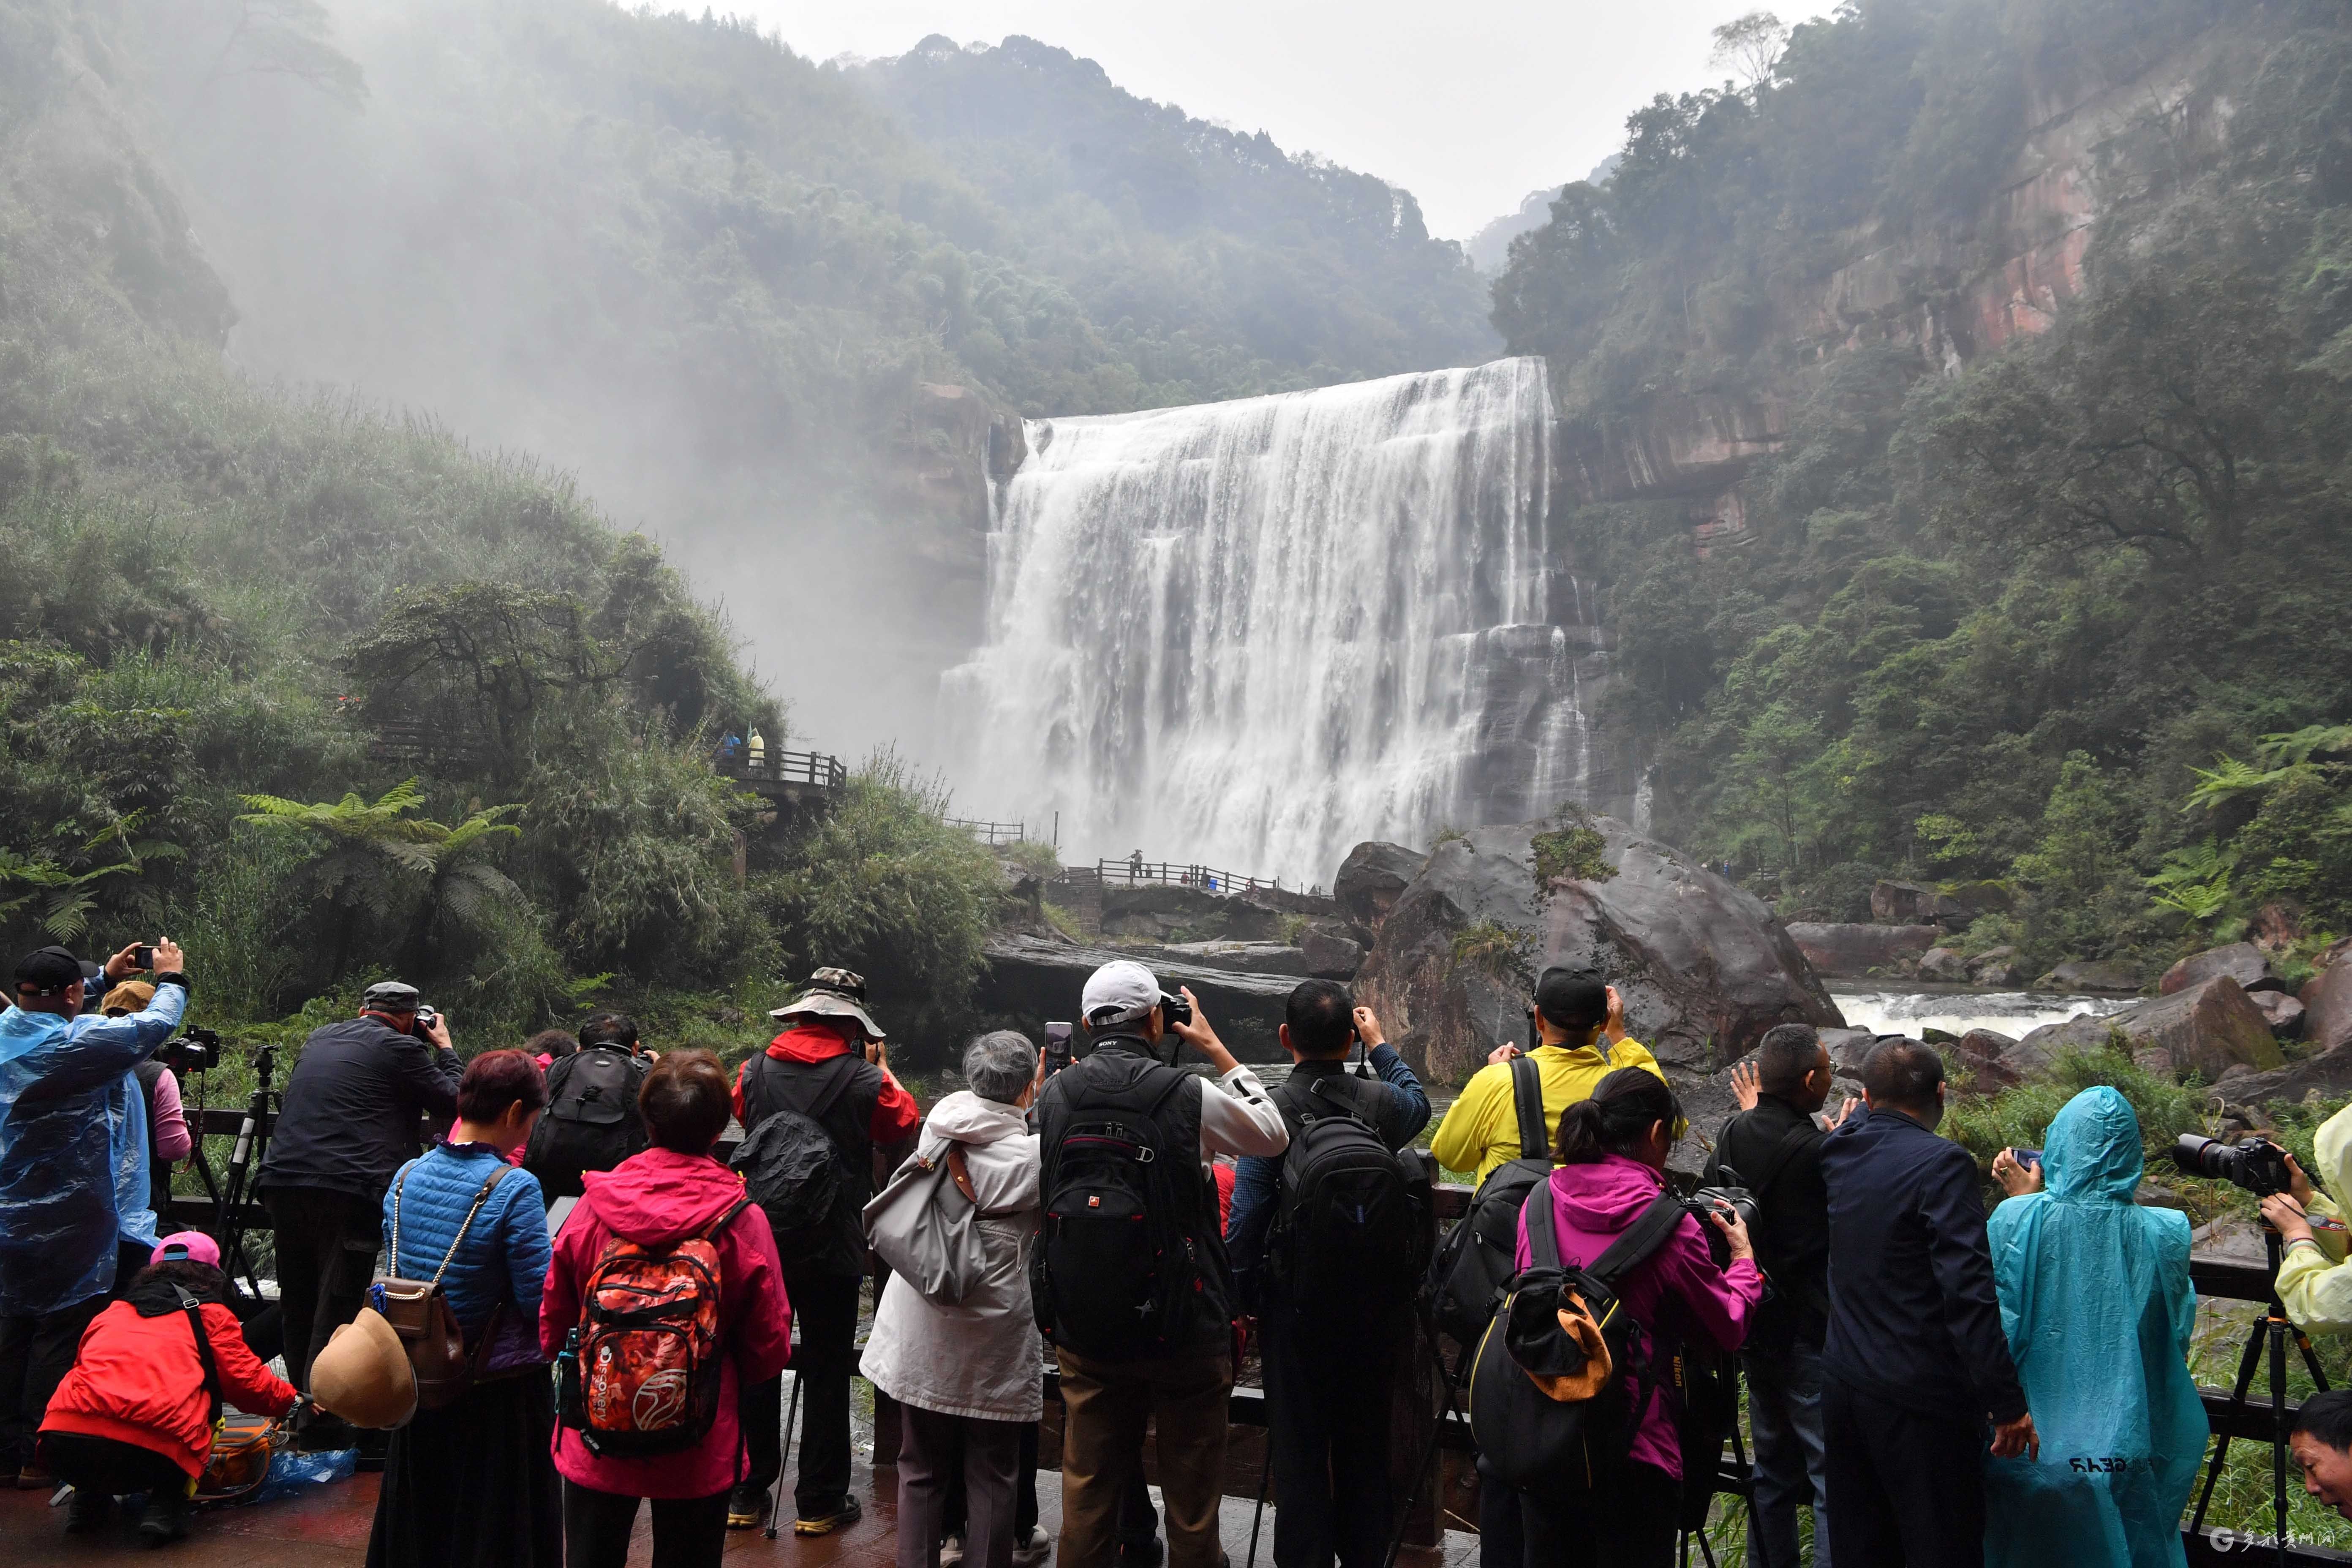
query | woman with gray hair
[967, 1375]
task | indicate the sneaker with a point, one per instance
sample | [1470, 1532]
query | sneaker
[1036, 1551]
[951, 1550]
[747, 1508]
[87, 1512]
[848, 1513]
[165, 1518]
[33, 1478]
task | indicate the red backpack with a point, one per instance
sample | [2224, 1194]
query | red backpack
[640, 1372]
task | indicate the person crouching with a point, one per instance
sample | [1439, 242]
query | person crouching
[136, 1413]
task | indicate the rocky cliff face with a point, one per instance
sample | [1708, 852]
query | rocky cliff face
[1947, 294]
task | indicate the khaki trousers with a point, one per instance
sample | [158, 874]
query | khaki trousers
[1105, 1408]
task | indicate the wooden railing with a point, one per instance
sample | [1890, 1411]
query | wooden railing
[786, 767]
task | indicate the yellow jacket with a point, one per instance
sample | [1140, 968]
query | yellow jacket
[2313, 1283]
[1482, 1130]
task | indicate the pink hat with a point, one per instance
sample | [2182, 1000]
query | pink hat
[193, 1245]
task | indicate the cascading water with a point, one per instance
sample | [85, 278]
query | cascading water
[1251, 633]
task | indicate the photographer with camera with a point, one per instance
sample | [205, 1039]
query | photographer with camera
[1128, 1276]
[351, 1119]
[1914, 1365]
[169, 1138]
[74, 1189]
[2313, 1282]
[2096, 1302]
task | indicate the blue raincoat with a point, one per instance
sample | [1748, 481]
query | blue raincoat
[2096, 1298]
[73, 1149]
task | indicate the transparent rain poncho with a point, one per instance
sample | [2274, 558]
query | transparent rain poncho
[2096, 1298]
[73, 1149]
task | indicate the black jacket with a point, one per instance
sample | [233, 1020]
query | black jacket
[1793, 1229]
[353, 1104]
[1913, 1317]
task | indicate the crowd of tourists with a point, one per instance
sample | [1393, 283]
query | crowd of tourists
[568, 1307]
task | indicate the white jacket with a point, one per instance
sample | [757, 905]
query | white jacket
[981, 1358]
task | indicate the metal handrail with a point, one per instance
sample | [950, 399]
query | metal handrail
[786, 767]
[1209, 878]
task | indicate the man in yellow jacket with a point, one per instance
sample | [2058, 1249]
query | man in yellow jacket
[1582, 1025]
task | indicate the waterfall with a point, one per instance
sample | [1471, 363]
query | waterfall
[1251, 633]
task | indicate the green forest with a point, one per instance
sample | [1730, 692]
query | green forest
[2071, 619]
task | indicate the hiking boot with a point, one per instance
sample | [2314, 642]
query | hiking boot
[1036, 1551]
[747, 1508]
[951, 1550]
[87, 1512]
[165, 1518]
[841, 1518]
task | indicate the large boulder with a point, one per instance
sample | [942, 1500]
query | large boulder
[1331, 951]
[1242, 957]
[2090, 974]
[1958, 904]
[2208, 1029]
[1985, 1052]
[2240, 960]
[1848, 950]
[1902, 903]
[2283, 1012]
[1371, 878]
[1033, 979]
[2328, 1003]
[1704, 968]
[1999, 966]
[1169, 911]
[1944, 966]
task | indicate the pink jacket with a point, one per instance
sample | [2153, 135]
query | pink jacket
[1678, 1290]
[659, 1196]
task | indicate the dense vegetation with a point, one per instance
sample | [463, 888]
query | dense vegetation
[325, 693]
[1991, 623]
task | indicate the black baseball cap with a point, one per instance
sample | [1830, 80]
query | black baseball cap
[48, 972]
[1572, 998]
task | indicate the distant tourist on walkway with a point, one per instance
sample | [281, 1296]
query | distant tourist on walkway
[1915, 1362]
[472, 1485]
[672, 1193]
[966, 1375]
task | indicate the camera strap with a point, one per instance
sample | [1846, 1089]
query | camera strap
[1783, 1152]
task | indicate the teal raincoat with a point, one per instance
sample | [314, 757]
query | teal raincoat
[2096, 1298]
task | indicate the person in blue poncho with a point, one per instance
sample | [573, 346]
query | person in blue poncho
[74, 1187]
[2096, 1299]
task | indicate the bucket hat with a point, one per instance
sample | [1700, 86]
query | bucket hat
[832, 993]
[363, 1376]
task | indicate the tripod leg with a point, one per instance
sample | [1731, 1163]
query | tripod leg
[2249, 1363]
[2278, 1332]
[2311, 1361]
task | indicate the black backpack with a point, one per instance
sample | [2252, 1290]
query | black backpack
[1475, 1263]
[1125, 1266]
[592, 1121]
[795, 1169]
[1347, 1237]
[1563, 1370]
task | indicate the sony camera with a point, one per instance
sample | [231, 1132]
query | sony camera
[1174, 1010]
[2256, 1165]
[1059, 1052]
[193, 1051]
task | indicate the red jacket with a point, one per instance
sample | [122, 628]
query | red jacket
[137, 1379]
[896, 1116]
[649, 1198]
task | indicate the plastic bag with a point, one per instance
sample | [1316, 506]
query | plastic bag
[292, 1473]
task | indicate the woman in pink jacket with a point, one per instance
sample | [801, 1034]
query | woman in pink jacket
[1612, 1153]
[672, 1191]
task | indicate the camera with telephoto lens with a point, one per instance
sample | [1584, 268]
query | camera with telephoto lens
[1059, 1053]
[1728, 1193]
[1174, 1010]
[194, 1051]
[2256, 1165]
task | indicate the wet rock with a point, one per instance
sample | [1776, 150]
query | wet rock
[2327, 1003]
[1962, 903]
[1944, 964]
[1704, 968]
[1997, 966]
[1902, 903]
[2284, 1013]
[1032, 979]
[2208, 1029]
[1982, 1051]
[1242, 957]
[1165, 912]
[2090, 974]
[1849, 1048]
[1331, 953]
[2240, 960]
[2329, 1076]
[1371, 878]
[1850, 951]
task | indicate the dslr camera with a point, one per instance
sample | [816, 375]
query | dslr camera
[1730, 1195]
[2257, 1165]
[195, 1050]
[1174, 1010]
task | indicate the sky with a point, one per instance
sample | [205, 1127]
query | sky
[1469, 105]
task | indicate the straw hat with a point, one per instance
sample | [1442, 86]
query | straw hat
[363, 1376]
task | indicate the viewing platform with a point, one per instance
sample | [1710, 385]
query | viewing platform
[790, 780]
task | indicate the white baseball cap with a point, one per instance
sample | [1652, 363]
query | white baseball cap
[1119, 993]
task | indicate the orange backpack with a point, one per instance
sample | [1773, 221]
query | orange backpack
[640, 1372]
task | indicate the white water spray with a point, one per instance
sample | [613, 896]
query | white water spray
[1250, 634]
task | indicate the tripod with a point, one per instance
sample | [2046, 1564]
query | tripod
[2270, 1329]
[252, 1137]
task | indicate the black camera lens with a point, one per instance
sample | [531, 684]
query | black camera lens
[2256, 1165]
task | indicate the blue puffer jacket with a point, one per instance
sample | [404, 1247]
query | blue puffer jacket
[506, 1250]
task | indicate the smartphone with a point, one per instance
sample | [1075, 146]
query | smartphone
[145, 958]
[2027, 1157]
